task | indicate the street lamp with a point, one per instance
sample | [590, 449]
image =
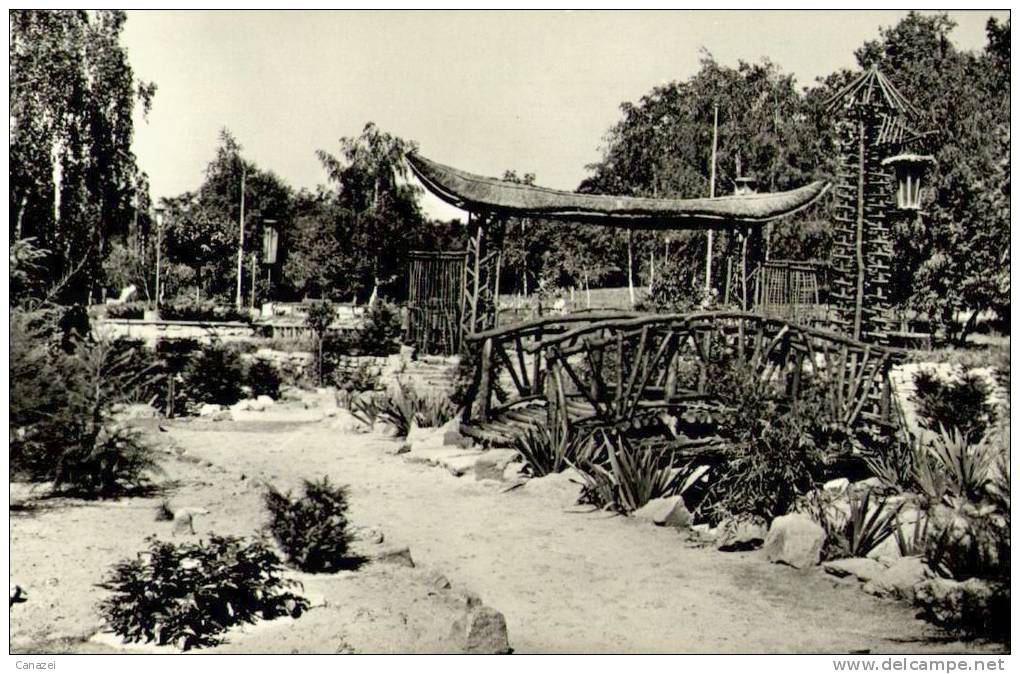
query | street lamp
[159, 247]
[910, 170]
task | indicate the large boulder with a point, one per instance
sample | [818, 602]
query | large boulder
[668, 511]
[481, 631]
[345, 422]
[974, 605]
[563, 488]
[900, 579]
[209, 409]
[492, 463]
[796, 540]
[861, 568]
[740, 533]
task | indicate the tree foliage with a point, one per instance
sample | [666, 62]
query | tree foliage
[74, 181]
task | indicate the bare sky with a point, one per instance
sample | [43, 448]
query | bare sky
[483, 91]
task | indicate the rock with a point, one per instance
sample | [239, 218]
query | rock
[563, 488]
[223, 415]
[400, 556]
[346, 422]
[743, 533]
[452, 437]
[265, 401]
[492, 463]
[437, 581]
[183, 525]
[861, 568]
[209, 409]
[796, 540]
[134, 411]
[513, 472]
[899, 580]
[482, 631]
[669, 511]
[460, 465]
[974, 604]
[368, 535]
[837, 486]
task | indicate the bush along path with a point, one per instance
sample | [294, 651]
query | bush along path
[575, 579]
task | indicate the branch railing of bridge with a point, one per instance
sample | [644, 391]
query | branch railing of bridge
[613, 369]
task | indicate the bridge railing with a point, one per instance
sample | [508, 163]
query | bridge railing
[623, 366]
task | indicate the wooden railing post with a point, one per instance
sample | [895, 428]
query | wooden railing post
[485, 382]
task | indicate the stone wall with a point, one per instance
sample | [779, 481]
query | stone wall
[150, 332]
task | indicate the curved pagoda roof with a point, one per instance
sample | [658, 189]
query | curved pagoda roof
[479, 194]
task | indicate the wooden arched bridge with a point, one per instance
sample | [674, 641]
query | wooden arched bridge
[617, 370]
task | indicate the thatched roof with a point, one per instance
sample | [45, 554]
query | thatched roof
[480, 194]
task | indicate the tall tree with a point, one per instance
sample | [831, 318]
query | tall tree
[74, 181]
[202, 229]
[378, 206]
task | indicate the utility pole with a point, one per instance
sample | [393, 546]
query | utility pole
[240, 243]
[711, 194]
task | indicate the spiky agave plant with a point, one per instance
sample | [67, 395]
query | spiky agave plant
[967, 466]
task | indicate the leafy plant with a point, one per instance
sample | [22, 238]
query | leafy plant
[966, 466]
[365, 409]
[312, 530]
[188, 594]
[407, 406]
[961, 403]
[546, 450]
[363, 378]
[380, 329]
[632, 474]
[858, 531]
[63, 408]
[263, 379]
[914, 544]
[214, 375]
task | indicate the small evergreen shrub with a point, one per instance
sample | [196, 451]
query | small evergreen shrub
[961, 403]
[188, 594]
[312, 529]
[214, 375]
[63, 413]
[379, 333]
[263, 379]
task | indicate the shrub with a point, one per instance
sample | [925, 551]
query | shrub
[860, 530]
[962, 404]
[312, 530]
[407, 406]
[263, 378]
[379, 332]
[364, 378]
[128, 310]
[188, 594]
[365, 409]
[624, 476]
[320, 316]
[202, 311]
[63, 413]
[214, 375]
[546, 450]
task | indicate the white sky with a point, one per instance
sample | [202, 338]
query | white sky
[483, 91]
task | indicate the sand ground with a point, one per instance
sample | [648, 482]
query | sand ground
[566, 580]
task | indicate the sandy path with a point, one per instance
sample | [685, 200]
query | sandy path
[571, 582]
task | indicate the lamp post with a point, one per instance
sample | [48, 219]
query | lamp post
[159, 248]
[910, 170]
[270, 243]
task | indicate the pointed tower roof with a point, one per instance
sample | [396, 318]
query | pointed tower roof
[871, 87]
